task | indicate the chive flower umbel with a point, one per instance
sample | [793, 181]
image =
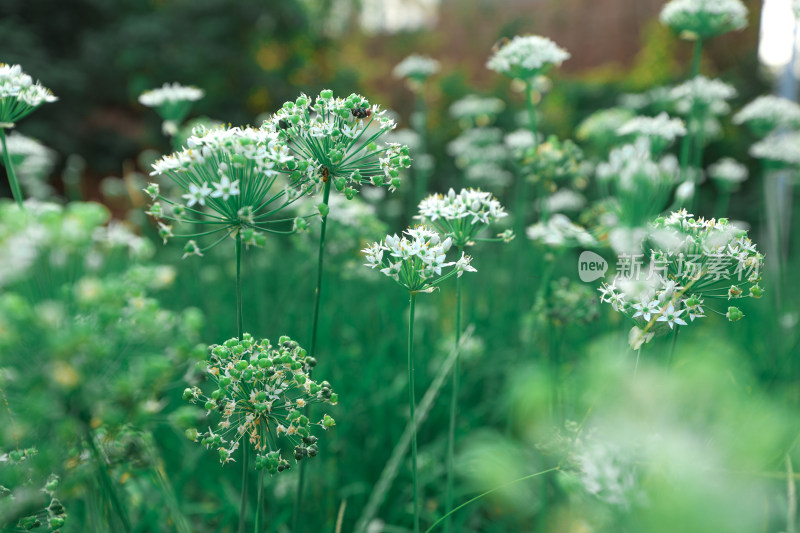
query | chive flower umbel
[417, 261]
[767, 113]
[261, 393]
[691, 261]
[341, 140]
[19, 95]
[172, 102]
[233, 179]
[704, 19]
[526, 56]
[462, 216]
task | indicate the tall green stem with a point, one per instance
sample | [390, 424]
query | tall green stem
[12, 176]
[313, 348]
[522, 186]
[453, 407]
[686, 143]
[259, 501]
[723, 201]
[107, 483]
[240, 332]
[697, 56]
[412, 302]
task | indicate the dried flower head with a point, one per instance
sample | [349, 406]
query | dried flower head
[261, 391]
[19, 95]
[703, 19]
[341, 139]
[767, 113]
[233, 179]
[461, 216]
[417, 261]
[526, 56]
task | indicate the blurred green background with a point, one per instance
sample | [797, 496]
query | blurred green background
[706, 445]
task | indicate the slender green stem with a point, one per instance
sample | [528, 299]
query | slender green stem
[259, 501]
[479, 496]
[313, 348]
[453, 406]
[240, 330]
[107, 483]
[522, 186]
[687, 141]
[412, 302]
[12, 175]
[697, 56]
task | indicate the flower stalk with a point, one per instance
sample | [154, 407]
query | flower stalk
[16, 191]
[411, 404]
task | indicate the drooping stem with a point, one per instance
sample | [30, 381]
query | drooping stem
[107, 483]
[259, 501]
[313, 347]
[453, 407]
[412, 301]
[12, 175]
[240, 333]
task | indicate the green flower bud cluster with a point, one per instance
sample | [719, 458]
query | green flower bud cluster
[260, 395]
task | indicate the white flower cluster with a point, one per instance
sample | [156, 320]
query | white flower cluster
[703, 19]
[661, 127]
[170, 93]
[702, 95]
[526, 56]
[767, 113]
[19, 95]
[416, 67]
[728, 170]
[559, 231]
[691, 260]
[351, 153]
[229, 176]
[416, 260]
[780, 148]
[461, 216]
[632, 165]
[473, 107]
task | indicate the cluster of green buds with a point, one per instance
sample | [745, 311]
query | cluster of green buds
[53, 517]
[341, 140]
[261, 393]
[554, 163]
